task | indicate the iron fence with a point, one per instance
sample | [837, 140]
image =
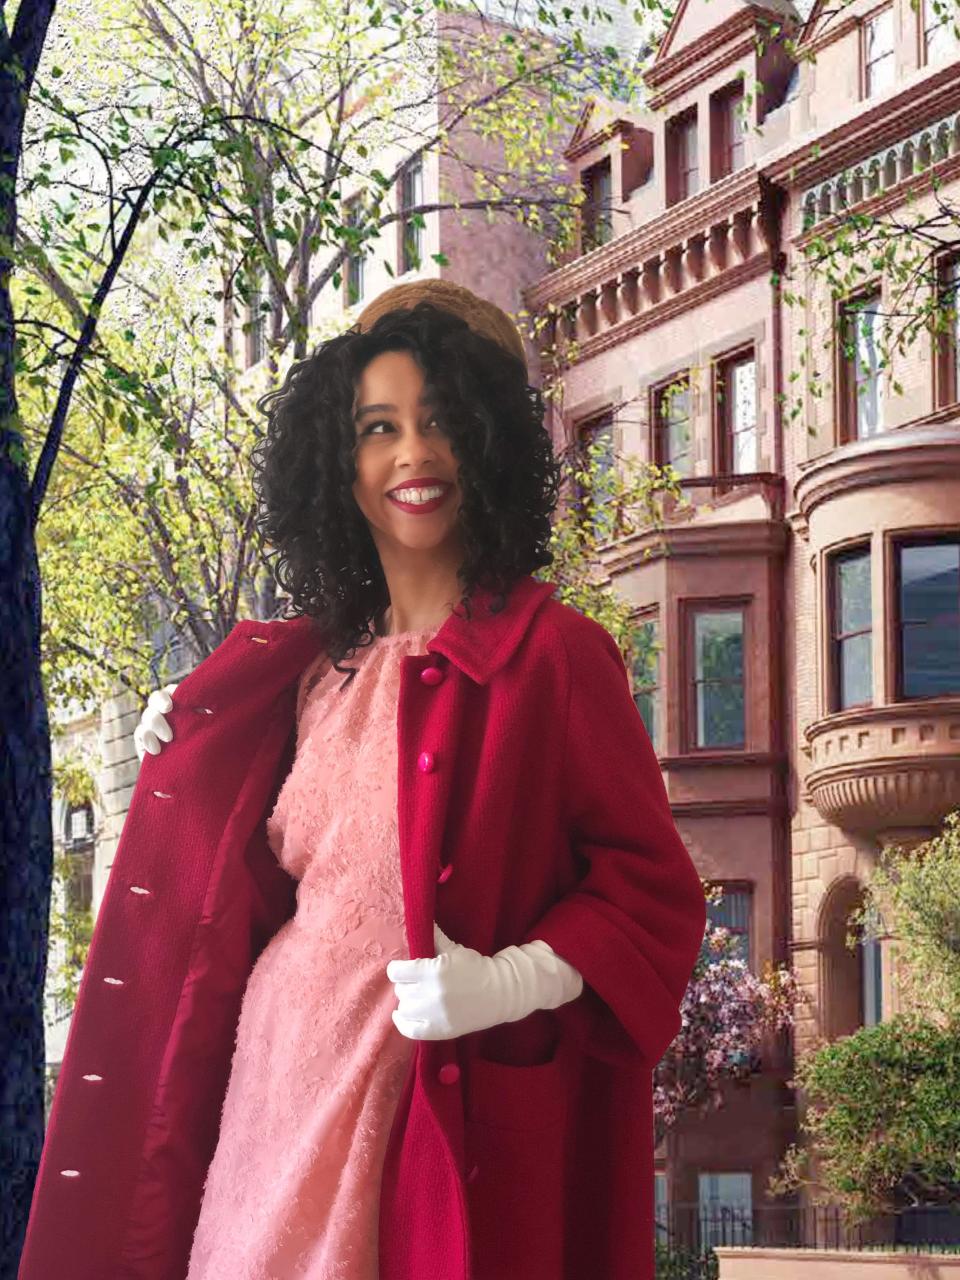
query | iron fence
[696, 1229]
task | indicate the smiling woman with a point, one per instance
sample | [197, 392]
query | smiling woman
[379, 995]
[411, 394]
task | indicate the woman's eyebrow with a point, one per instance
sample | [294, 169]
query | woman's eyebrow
[424, 400]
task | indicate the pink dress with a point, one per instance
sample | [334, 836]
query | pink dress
[292, 1192]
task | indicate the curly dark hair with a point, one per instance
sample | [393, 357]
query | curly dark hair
[304, 468]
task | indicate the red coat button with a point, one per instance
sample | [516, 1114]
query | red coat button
[425, 761]
[449, 1073]
[431, 675]
[445, 874]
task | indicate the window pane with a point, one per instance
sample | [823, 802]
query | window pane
[647, 660]
[853, 592]
[355, 260]
[604, 213]
[720, 716]
[931, 660]
[597, 207]
[80, 826]
[737, 132]
[745, 459]
[690, 142]
[689, 162]
[948, 339]
[856, 670]
[412, 186]
[733, 909]
[673, 407]
[929, 581]
[661, 1207]
[733, 912]
[880, 35]
[852, 628]
[866, 323]
[678, 448]
[930, 619]
[412, 233]
[646, 677]
[726, 1188]
[647, 706]
[941, 38]
[743, 377]
[882, 75]
[718, 638]
[871, 977]
[676, 403]
[603, 512]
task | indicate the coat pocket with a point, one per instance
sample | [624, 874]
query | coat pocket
[517, 1098]
[515, 1134]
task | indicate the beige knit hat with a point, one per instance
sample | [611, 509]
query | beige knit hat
[482, 316]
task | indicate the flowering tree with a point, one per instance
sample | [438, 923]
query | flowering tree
[727, 1013]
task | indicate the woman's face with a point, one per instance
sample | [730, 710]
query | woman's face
[399, 440]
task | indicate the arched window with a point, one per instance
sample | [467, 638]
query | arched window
[851, 978]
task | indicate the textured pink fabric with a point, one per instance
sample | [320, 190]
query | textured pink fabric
[293, 1188]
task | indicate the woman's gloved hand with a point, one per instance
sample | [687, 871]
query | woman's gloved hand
[459, 990]
[153, 728]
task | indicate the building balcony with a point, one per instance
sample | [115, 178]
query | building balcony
[716, 513]
[888, 769]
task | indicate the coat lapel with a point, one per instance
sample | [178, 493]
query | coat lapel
[481, 646]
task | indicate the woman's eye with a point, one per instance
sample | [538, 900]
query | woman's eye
[383, 423]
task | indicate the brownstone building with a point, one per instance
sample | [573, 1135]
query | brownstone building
[805, 700]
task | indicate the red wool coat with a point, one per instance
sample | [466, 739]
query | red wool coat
[523, 1152]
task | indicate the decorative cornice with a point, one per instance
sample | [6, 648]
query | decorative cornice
[901, 456]
[718, 203]
[895, 169]
[888, 198]
[813, 158]
[659, 313]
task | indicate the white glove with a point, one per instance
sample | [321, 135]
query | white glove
[153, 728]
[459, 990]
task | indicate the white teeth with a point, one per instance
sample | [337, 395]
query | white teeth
[417, 495]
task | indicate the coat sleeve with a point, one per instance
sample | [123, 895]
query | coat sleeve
[632, 925]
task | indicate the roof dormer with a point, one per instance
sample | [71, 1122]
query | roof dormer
[611, 156]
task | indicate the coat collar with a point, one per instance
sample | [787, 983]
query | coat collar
[485, 643]
[481, 646]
